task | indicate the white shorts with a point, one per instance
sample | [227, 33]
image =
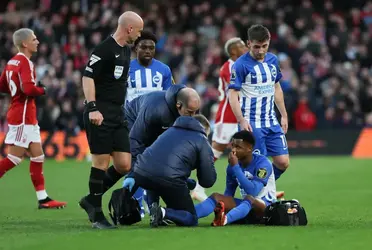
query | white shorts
[223, 132]
[23, 135]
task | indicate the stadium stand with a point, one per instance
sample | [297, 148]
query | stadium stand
[323, 48]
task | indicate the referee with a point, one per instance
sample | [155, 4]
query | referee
[104, 85]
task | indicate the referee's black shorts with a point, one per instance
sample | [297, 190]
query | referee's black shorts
[112, 135]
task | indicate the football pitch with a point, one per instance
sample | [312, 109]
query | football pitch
[335, 191]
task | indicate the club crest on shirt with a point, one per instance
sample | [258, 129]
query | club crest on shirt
[273, 70]
[118, 71]
[156, 79]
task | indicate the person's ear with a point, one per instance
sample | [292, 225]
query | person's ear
[179, 105]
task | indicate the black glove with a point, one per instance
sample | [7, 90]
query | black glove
[40, 84]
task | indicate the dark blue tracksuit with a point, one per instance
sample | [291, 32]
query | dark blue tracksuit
[148, 117]
[164, 167]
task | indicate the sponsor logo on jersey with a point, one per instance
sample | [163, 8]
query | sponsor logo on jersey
[261, 173]
[93, 59]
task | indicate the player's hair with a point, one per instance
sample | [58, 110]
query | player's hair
[259, 33]
[246, 136]
[203, 120]
[145, 35]
[229, 44]
[21, 35]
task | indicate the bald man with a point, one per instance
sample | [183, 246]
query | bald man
[105, 85]
[151, 114]
[164, 168]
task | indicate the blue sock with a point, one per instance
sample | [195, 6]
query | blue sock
[277, 172]
[205, 208]
[139, 196]
[181, 217]
[239, 212]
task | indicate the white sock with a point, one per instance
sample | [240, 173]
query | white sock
[217, 154]
[41, 195]
[225, 221]
[163, 211]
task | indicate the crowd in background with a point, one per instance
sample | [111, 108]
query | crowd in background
[323, 48]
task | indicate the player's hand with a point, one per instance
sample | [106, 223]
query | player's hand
[96, 118]
[244, 125]
[284, 123]
[233, 160]
[41, 85]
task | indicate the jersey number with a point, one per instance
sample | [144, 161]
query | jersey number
[12, 85]
[220, 89]
[284, 141]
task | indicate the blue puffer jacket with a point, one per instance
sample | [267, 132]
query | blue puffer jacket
[179, 150]
[149, 116]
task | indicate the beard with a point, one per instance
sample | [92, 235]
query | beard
[144, 61]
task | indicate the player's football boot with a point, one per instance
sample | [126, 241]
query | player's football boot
[103, 224]
[156, 216]
[219, 215]
[166, 222]
[280, 194]
[52, 204]
[89, 208]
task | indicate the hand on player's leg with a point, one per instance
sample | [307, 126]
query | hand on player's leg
[199, 193]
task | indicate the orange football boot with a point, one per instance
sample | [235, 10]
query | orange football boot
[219, 215]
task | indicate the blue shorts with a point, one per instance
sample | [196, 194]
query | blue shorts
[270, 141]
[252, 217]
[263, 199]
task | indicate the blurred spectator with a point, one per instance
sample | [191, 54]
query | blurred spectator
[323, 48]
[304, 118]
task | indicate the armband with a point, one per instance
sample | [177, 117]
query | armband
[91, 106]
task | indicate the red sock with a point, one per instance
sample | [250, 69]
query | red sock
[37, 176]
[8, 163]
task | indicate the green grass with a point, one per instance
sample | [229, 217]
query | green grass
[336, 193]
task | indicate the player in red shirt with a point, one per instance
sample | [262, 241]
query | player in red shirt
[18, 80]
[225, 123]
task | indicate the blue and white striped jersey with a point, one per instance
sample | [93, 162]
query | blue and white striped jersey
[142, 80]
[256, 83]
